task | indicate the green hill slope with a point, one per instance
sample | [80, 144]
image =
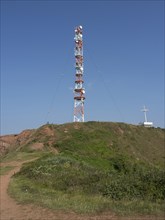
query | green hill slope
[99, 166]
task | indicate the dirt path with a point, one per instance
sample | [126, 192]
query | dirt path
[11, 210]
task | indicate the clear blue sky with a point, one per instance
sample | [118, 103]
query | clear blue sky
[123, 61]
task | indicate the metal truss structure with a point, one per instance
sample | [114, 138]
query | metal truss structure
[79, 90]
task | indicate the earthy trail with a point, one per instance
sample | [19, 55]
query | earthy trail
[11, 210]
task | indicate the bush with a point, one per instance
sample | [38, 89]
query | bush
[148, 184]
[124, 180]
[63, 173]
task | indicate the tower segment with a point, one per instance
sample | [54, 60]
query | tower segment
[79, 90]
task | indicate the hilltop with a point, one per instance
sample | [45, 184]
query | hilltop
[91, 167]
[144, 144]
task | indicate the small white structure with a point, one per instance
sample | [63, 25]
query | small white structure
[146, 123]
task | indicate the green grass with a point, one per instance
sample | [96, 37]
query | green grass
[27, 192]
[100, 167]
[62, 182]
[21, 156]
[5, 169]
[138, 208]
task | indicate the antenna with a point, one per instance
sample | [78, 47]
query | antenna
[145, 110]
[79, 90]
[146, 123]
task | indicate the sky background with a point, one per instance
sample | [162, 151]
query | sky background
[123, 61]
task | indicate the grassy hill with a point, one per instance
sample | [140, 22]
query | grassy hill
[94, 167]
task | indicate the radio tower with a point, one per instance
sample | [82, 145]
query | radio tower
[79, 91]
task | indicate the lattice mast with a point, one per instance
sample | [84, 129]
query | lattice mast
[79, 90]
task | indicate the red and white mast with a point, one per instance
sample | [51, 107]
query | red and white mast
[79, 91]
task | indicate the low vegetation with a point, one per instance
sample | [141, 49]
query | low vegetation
[99, 167]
